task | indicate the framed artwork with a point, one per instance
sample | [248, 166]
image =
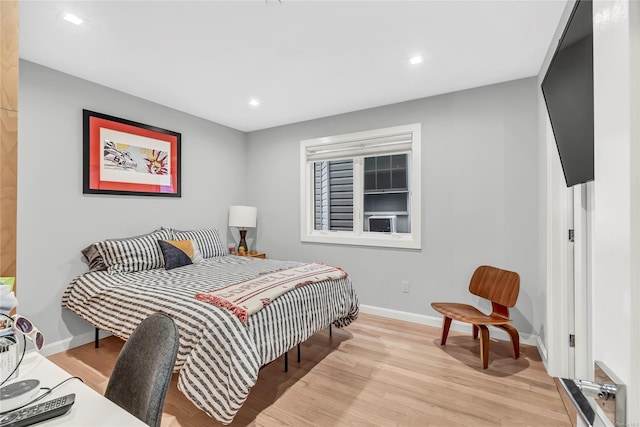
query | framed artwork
[128, 158]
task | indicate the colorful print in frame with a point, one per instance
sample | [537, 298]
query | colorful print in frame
[128, 158]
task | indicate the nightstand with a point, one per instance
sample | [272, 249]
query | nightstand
[255, 255]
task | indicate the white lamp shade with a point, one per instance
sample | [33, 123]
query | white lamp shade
[242, 216]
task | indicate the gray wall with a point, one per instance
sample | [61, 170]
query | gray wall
[55, 220]
[480, 196]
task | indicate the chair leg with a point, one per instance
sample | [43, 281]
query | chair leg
[484, 346]
[446, 324]
[515, 338]
[475, 332]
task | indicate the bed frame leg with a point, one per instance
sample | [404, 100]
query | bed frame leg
[286, 359]
[97, 338]
[330, 332]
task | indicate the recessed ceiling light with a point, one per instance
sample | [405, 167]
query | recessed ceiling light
[415, 60]
[73, 19]
[254, 102]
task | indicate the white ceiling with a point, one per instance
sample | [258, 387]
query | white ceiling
[302, 59]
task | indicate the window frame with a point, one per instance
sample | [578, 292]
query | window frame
[359, 237]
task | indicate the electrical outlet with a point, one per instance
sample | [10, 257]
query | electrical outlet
[405, 286]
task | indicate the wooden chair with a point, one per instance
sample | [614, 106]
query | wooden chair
[501, 287]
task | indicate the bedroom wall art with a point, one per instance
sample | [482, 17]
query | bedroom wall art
[128, 158]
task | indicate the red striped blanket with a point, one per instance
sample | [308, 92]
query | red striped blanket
[248, 297]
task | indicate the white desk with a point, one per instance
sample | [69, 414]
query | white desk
[90, 407]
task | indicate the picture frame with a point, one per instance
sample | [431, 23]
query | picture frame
[123, 157]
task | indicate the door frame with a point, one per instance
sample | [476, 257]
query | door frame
[582, 223]
[568, 264]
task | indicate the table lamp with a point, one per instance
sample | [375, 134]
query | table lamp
[242, 217]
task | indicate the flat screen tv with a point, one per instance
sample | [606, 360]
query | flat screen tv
[568, 92]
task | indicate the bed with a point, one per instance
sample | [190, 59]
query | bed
[220, 355]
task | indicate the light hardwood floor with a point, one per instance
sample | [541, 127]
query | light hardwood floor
[378, 372]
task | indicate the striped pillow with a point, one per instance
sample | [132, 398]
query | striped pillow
[93, 258]
[208, 241]
[135, 254]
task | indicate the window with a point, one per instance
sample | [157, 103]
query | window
[333, 185]
[362, 188]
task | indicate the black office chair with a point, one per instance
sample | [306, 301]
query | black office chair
[142, 373]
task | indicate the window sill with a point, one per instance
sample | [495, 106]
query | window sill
[385, 240]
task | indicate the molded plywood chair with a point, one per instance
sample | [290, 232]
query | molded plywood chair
[142, 373]
[501, 287]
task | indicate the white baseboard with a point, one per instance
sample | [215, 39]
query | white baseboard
[437, 322]
[542, 349]
[66, 344]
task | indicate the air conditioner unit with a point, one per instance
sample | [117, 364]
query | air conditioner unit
[382, 223]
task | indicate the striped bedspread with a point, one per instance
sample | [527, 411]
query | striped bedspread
[250, 296]
[219, 356]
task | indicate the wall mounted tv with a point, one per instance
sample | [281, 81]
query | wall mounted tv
[568, 92]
